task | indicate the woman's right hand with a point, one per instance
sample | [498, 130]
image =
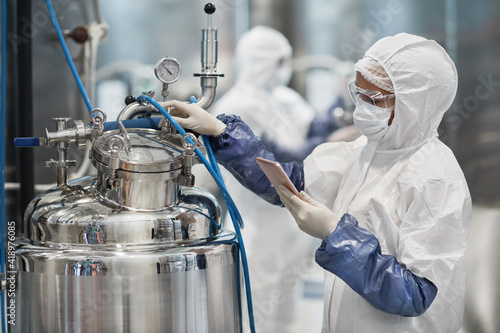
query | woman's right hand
[193, 117]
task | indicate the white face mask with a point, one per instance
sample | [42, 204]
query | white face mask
[371, 121]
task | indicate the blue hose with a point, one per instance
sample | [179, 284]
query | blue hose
[233, 211]
[2, 153]
[68, 57]
[235, 217]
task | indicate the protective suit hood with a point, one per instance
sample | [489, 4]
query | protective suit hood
[258, 55]
[425, 83]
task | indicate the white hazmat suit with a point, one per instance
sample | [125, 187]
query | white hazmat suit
[407, 189]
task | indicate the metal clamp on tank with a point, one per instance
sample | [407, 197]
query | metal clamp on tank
[187, 178]
[97, 119]
[115, 144]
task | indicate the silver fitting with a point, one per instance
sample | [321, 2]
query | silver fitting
[60, 139]
[116, 143]
[78, 134]
[97, 119]
[189, 142]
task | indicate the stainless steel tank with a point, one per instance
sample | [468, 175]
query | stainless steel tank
[130, 250]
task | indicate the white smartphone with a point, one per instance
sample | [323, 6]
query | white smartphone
[276, 174]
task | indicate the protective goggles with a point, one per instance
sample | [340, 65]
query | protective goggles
[372, 97]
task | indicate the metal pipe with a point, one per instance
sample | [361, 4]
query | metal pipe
[135, 109]
[209, 50]
[208, 85]
[62, 162]
[62, 171]
[26, 159]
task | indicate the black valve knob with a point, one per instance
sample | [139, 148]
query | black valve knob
[130, 99]
[209, 8]
[79, 35]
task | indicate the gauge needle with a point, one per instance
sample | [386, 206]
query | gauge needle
[169, 72]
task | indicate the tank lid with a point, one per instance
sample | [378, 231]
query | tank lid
[142, 150]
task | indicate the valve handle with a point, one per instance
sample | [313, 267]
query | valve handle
[209, 8]
[79, 35]
[27, 142]
[130, 99]
[126, 137]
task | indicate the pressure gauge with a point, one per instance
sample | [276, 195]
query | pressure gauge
[168, 70]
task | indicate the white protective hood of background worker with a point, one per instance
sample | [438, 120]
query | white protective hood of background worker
[407, 189]
[260, 96]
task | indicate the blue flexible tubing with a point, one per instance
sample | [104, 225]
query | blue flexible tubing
[215, 166]
[68, 57]
[233, 211]
[213, 163]
[2, 153]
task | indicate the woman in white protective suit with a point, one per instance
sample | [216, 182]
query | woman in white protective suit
[394, 262]
[276, 250]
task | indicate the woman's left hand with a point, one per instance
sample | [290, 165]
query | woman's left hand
[311, 216]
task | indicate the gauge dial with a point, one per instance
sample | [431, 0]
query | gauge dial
[168, 70]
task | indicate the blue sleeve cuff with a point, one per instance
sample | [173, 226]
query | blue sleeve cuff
[354, 255]
[236, 150]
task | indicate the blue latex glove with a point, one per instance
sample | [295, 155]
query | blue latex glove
[353, 254]
[193, 117]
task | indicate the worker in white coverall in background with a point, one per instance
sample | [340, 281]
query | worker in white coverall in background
[276, 249]
[393, 208]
